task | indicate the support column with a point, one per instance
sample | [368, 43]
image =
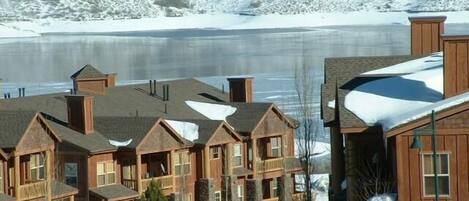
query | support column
[139, 174]
[230, 183]
[173, 168]
[337, 159]
[205, 189]
[254, 190]
[254, 157]
[207, 162]
[49, 175]
[17, 176]
[229, 158]
[286, 185]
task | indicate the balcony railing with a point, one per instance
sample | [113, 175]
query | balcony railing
[165, 182]
[271, 199]
[130, 183]
[270, 165]
[32, 190]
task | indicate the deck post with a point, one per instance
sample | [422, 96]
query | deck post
[17, 177]
[139, 174]
[173, 168]
[49, 174]
[229, 158]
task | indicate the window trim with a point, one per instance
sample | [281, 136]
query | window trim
[188, 162]
[240, 192]
[33, 167]
[422, 165]
[278, 147]
[76, 173]
[212, 152]
[219, 194]
[240, 154]
[106, 180]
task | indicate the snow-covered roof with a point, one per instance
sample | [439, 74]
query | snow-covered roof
[119, 143]
[410, 91]
[187, 130]
[212, 111]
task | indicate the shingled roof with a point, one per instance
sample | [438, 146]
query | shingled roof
[13, 124]
[88, 71]
[114, 192]
[342, 76]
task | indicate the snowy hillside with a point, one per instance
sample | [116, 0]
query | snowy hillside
[79, 10]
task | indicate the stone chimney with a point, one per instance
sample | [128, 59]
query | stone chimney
[426, 34]
[241, 89]
[80, 113]
[456, 64]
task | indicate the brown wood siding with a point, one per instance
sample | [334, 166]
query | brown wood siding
[92, 86]
[410, 165]
[37, 138]
[189, 180]
[81, 160]
[271, 125]
[222, 136]
[456, 67]
[92, 168]
[159, 139]
[426, 37]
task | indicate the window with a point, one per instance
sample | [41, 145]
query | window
[128, 171]
[274, 187]
[276, 144]
[215, 152]
[37, 169]
[237, 155]
[106, 173]
[71, 174]
[442, 167]
[182, 163]
[1, 177]
[240, 192]
[217, 196]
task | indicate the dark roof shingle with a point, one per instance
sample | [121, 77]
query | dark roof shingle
[112, 192]
[13, 124]
[88, 71]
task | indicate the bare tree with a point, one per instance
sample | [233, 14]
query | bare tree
[308, 128]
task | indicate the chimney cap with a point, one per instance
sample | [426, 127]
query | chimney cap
[427, 18]
[455, 36]
[239, 78]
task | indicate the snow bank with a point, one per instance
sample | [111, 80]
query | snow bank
[320, 148]
[10, 32]
[319, 182]
[212, 111]
[119, 143]
[384, 197]
[224, 22]
[387, 101]
[188, 130]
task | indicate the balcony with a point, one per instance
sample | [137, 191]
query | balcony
[270, 165]
[295, 197]
[32, 190]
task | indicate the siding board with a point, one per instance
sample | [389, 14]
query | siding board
[461, 66]
[426, 38]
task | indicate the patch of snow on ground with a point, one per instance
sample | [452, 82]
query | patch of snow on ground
[389, 98]
[119, 143]
[211, 110]
[319, 184]
[384, 197]
[187, 130]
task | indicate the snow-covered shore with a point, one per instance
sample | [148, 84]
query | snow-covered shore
[216, 21]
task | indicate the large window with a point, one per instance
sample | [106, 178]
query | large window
[442, 169]
[238, 155]
[182, 163]
[37, 169]
[276, 144]
[71, 174]
[106, 173]
[1, 177]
